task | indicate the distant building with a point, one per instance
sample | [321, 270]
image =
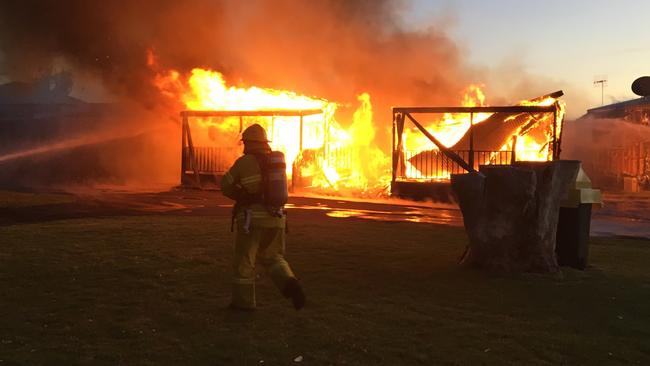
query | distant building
[42, 110]
[48, 138]
[635, 111]
[53, 89]
[613, 142]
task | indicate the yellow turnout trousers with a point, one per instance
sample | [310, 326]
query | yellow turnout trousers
[265, 236]
[267, 244]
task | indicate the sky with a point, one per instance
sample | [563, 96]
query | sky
[553, 44]
[568, 43]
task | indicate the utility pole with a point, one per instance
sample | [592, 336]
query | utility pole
[603, 82]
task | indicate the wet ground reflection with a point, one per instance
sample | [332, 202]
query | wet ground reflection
[442, 216]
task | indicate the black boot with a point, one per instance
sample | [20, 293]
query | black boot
[292, 290]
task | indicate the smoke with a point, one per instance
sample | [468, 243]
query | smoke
[335, 49]
[131, 151]
[330, 48]
[104, 38]
[585, 135]
[591, 139]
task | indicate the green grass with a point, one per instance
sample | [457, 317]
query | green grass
[153, 290]
[11, 199]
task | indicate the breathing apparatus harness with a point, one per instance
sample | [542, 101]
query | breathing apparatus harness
[273, 193]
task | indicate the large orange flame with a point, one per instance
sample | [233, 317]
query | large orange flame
[332, 157]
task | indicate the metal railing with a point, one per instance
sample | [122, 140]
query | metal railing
[445, 161]
[434, 165]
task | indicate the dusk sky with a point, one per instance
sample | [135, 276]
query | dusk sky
[564, 44]
[522, 48]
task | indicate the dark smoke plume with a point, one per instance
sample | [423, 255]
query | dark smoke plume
[328, 48]
[334, 49]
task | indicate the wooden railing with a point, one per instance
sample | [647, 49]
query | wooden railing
[210, 160]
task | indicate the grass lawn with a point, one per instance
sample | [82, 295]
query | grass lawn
[151, 290]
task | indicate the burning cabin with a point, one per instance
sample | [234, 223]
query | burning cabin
[468, 137]
[207, 156]
[320, 154]
[323, 156]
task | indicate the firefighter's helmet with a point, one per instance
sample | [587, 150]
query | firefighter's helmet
[254, 133]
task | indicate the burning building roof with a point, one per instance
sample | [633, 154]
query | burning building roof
[364, 53]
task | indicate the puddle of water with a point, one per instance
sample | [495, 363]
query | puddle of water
[417, 217]
[341, 214]
[163, 206]
[410, 214]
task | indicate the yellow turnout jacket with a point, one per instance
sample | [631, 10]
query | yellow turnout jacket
[245, 175]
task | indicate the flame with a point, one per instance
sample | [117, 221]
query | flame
[208, 91]
[326, 155]
[452, 126]
[533, 137]
[529, 148]
[332, 157]
[448, 129]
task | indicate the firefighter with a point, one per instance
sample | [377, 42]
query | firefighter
[260, 228]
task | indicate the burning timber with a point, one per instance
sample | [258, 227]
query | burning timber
[200, 164]
[326, 156]
[418, 174]
[496, 131]
[320, 152]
